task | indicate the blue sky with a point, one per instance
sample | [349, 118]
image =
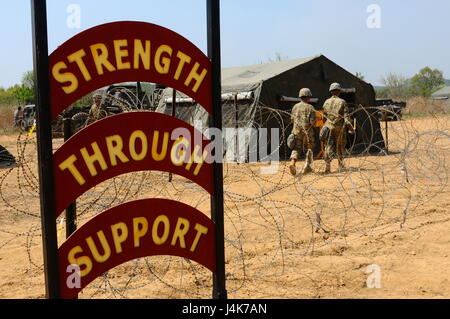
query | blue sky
[413, 33]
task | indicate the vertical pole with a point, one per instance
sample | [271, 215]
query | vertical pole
[71, 211]
[44, 142]
[387, 137]
[236, 125]
[174, 99]
[213, 29]
[139, 102]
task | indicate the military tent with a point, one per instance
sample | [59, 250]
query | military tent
[442, 94]
[262, 96]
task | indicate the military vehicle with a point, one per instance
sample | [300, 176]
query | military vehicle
[27, 118]
[118, 98]
[390, 110]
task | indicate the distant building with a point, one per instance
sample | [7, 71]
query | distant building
[442, 94]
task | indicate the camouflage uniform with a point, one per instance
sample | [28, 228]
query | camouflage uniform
[96, 113]
[303, 117]
[18, 114]
[336, 114]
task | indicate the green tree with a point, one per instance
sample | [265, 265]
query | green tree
[427, 81]
[25, 93]
[7, 97]
[28, 79]
[396, 86]
[382, 93]
[359, 76]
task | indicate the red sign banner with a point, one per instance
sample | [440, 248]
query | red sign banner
[130, 142]
[133, 230]
[127, 51]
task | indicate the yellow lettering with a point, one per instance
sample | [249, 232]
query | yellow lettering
[183, 60]
[91, 159]
[163, 65]
[119, 238]
[65, 77]
[100, 55]
[181, 229]
[159, 157]
[156, 238]
[196, 159]
[115, 145]
[69, 164]
[178, 152]
[144, 55]
[201, 230]
[105, 246]
[140, 228]
[134, 136]
[198, 78]
[120, 54]
[77, 57]
[80, 261]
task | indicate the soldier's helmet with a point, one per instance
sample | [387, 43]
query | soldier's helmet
[335, 87]
[305, 92]
[97, 96]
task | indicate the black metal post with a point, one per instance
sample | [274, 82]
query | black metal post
[44, 142]
[387, 137]
[139, 95]
[236, 126]
[174, 99]
[71, 211]
[213, 30]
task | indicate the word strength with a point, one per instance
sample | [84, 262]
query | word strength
[123, 55]
[228, 309]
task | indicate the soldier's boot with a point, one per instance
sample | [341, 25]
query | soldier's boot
[309, 160]
[327, 168]
[292, 167]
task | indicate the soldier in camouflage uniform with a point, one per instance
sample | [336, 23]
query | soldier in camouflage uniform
[97, 111]
[336, 115]
[303, 118]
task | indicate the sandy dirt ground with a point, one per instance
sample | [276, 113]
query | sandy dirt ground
[389, 211]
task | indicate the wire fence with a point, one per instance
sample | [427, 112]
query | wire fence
[273, 223]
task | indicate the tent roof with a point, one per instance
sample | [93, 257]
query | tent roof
[445, 91]
[250, 76]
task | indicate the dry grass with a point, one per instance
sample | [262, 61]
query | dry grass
[425, 106]
[7, 120]
[392, 211]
